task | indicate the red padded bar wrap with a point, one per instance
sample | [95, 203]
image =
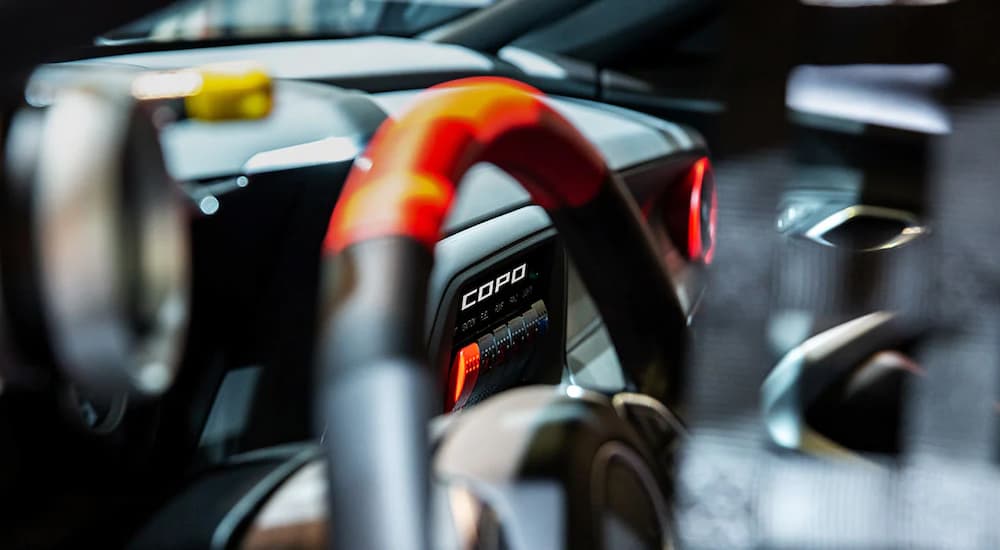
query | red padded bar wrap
[405, 182]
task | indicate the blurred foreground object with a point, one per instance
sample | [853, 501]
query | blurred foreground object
[230, 91]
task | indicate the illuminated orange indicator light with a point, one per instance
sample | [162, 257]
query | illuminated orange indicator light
[464, 373]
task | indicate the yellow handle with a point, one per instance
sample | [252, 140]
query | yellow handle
[230, 91]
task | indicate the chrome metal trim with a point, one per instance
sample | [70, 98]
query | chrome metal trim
[621, 402]
[782, 403]
[114, 277]
[574, 391]
[913, 228]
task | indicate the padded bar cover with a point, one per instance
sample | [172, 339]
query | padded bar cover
[379, 250]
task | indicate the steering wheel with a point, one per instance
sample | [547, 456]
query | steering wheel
[377, 392]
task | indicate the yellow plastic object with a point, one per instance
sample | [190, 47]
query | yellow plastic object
[231, 91]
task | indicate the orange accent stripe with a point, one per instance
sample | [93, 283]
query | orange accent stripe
[406, 186]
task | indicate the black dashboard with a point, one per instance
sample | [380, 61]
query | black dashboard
[491, 232]
[262, 193]
[505, 309]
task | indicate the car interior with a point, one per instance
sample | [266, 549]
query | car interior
[499, 274]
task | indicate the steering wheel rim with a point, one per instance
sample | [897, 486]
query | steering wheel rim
[376, 389]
